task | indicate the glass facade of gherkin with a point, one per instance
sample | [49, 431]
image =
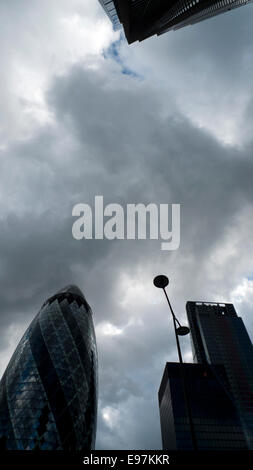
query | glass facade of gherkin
[48, 393]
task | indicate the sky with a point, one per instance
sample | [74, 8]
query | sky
[168, 120]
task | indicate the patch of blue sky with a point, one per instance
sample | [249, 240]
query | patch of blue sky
[113, 53]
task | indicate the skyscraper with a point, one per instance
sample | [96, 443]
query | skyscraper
[219, 384]
[48, 393]
[110, 9]
[220, 337]
[144, 18]
[216, 422]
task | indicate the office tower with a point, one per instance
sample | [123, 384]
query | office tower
[216, 422]
[110, 9]
[48, 393]
[144, 18]
[220, 337]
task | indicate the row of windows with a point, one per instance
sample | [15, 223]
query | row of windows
[230, 423]
[207, 428]
[210, 11]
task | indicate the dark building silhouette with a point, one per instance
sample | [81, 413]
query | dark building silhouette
[48, 393]
[220, 337]
[219, 383]
[144, 18]
[216, 422]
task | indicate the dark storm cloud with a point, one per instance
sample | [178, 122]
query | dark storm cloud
[128, 138]
[180, 162]
[207, 68]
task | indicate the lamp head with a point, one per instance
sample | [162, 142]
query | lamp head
[183, 330]
[161, 281]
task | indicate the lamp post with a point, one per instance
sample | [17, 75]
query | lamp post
[162, 282]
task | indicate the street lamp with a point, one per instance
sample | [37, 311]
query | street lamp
[161, 282]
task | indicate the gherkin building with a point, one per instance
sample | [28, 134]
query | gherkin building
[48, 393]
